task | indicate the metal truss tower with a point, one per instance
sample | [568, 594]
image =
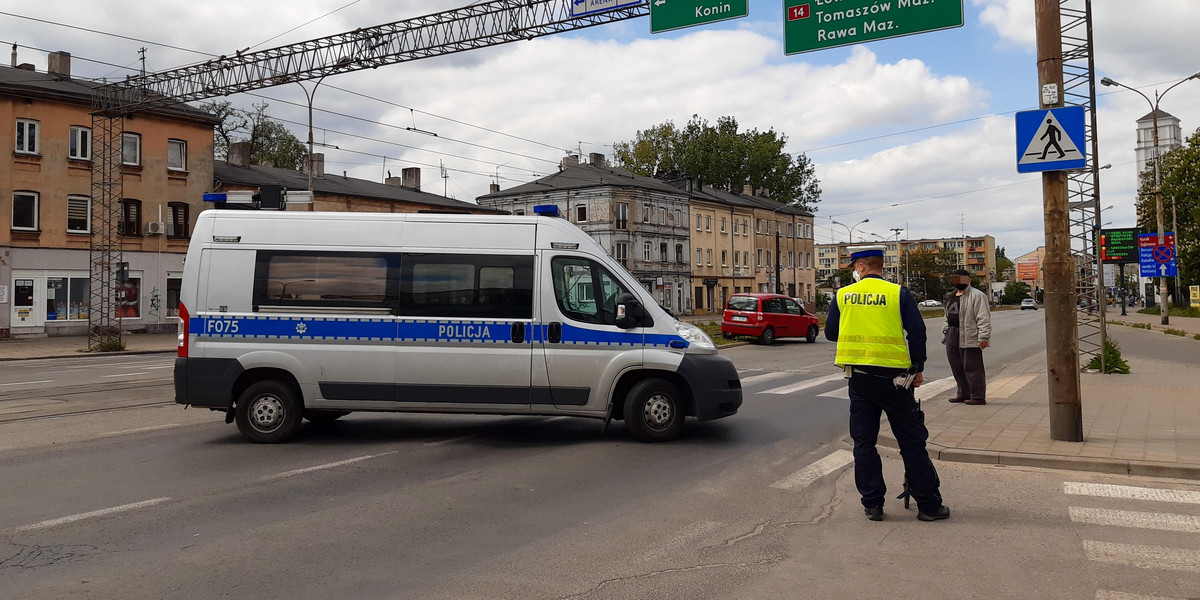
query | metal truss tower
[476, 26]
[1083, 186]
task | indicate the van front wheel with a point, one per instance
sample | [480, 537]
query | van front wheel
[652, 411]
[268, 412]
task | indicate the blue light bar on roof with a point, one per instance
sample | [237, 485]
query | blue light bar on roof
[214, 197]
[546, 210]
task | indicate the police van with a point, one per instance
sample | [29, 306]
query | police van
[291, 315]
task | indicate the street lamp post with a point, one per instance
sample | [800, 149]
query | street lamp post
[850, 229]
[344, 61]
[1162, 280]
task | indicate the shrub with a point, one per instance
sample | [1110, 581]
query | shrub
[1113, 363]
[1178, 332]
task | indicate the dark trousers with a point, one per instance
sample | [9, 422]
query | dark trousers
[871, 396]
[967, 366]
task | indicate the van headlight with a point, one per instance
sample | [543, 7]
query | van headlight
[694, 336]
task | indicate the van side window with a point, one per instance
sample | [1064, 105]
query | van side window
[325, 279]
[466, 285]
[585, 291]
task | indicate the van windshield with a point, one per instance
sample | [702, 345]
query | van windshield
[749, 303]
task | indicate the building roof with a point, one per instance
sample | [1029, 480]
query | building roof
[258, 175]
[22, 82]
[1162, 114]
[574, 177]
[714, 195]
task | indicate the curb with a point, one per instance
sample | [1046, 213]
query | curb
[1056, 461]
[84, 353]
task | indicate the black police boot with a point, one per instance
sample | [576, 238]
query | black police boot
[937, 515]
[874, 513]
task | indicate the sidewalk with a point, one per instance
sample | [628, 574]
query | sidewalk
[1143, 423]
[1189, 324]
[58, 347]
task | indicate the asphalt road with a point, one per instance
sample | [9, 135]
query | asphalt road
[159, 503]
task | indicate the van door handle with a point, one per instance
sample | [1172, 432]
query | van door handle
[518, 332]
[554, 335]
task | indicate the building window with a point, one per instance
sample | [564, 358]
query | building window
[662, 252]
[581, 213]
[131, 217]
[758, 226]
[737, 257]
[699, 222]
[177, 220]
[622, 216]
[758, 258]
[128, 298]
[722, 224]
[745, 260]
[79, 214]
[791, 260]
[646, 251]
[724, 258]
[699, 257]
[709, 253]
[646, 213]
[791, 230]
[67, 298]
[621, 253]
[679, 253]
[174, 285]
[80, 143]
[708, 222]
[176, 155]
[131, 149]
[27, 140]
[662, 216]
[25, 211]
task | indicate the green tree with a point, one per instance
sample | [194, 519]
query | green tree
[270, 141]
[1180, 175]
[1003, 263]
[722, 156]
[1014, 292]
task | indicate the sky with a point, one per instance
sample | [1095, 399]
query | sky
[914, 132]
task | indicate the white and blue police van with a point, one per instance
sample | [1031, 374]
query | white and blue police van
[307, 315]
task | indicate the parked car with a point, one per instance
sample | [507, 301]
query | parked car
[767, 317]
[930, 303]
[1028, 303]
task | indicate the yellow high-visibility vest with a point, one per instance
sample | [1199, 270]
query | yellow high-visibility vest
[870, 331]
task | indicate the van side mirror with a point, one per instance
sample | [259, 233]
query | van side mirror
[630, 312]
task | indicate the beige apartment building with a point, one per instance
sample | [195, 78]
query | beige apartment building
[976, 254]
[46, 226]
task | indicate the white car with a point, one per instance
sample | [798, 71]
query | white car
[930, 303]
[1028, 303]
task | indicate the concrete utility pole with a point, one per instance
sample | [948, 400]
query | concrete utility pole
[1062, 351]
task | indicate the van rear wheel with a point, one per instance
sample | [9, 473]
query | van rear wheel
[268, 412]
[653, 411]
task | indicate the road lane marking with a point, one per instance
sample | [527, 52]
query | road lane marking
[803, 385]
[1111, 595]
[138, 430]
[935, 387]
[93, 514]
[842, 393]
[1126, 492]
[28, 382]
[815, 471]
[451, 440]
[764, 377]
[331, 465]
[1143, 557]
[124, 374]
[1140, 520]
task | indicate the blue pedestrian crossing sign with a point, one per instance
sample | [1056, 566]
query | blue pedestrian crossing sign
[1051, 140]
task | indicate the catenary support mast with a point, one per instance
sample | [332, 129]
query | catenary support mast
[476, 26]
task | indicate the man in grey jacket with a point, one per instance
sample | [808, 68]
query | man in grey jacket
[966, 332]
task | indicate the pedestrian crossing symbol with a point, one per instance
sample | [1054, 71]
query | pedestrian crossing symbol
[1051, 140]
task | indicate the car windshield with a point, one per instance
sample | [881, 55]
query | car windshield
[743, 303]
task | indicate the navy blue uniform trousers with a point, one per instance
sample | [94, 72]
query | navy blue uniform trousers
[871, 396]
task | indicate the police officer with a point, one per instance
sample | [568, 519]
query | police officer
[870, 320]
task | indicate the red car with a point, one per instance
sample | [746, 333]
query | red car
[767, 317]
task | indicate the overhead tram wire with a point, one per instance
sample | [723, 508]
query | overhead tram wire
[211, 55]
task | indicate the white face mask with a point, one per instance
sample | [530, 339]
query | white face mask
[856, 275]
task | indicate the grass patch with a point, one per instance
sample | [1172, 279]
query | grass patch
[1174, 311]
[110, 346]
[1196, 337]
[713, 329]
[1178, 332]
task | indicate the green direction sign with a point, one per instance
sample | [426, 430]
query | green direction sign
[666, 15]
[1119, 246]
[818, 24]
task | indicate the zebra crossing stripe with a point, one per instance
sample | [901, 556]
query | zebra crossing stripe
[933, 388]
[1111, 595]
[803, 385]
[1102, 490]
[764, 377]
[1143, 557]
[815, 471]
[1140, 520]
